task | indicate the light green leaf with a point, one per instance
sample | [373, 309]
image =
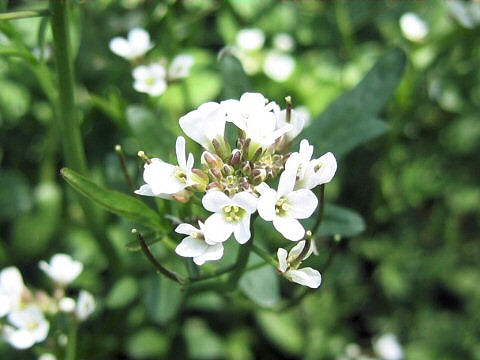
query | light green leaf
[147, 343]
[339, 221]
[163, 298]
[202, 343]
[122, 293]
[113, 201]
[261, 286]
[352, 118]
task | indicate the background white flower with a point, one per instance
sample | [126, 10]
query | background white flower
[163, 179]
[278, 66]
[250, 39]
[11, 289]
[150, 79]
[285, 206]
[47, 356]
[204, 124]
[387, 347]
[413, 28]
[197, 244]
[85, 305]
[232, 215]
[67, 305]
[305, 276]
[30, 327]
[180, 67]
[283, 42]
[62, 268]
[134, 46]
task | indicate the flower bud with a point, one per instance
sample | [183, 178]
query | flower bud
[246, 168]
[245, 146]
[214, 186]
[227, 170]
[235, 157]
[256, 155]
[259, 175]
[211, 160]
[216, 173]
[222, 148]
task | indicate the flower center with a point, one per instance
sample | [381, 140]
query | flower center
[31, 325]
[233, 213]
[150, 81]
[282, 206]
[317, 167]
[180, 175]
[197, 235]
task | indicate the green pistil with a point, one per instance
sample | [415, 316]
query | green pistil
[197, 235]
[282, 207]
[233, 213]
[180, 175]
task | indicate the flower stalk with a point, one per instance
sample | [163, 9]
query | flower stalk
[13, 15]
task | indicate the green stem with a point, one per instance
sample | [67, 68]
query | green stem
[123, 164]
[264, 255]
[70, 352]
[24, 14]
[321, 210]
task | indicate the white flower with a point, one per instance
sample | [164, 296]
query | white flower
[85, 305]
[47, 356]
[67, 305]
[312, 172]
[62, 268]
[297, 121]
[256, 117]
[279, 66]
[285, 206]
[288, 266]
[197, 244]
[205, 124]
[388, 348]
[180, 67]
[150, 79]
[163, 179]
[250, 39]
[30, 327]
[135, 46]
[413, 28]
[303, 112]
[11, 289]
[283, 42]
[232, 215]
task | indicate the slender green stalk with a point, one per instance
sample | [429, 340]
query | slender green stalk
[123, 164]
[71, 350]
[319, 219]
[24, 14]
[264, 255]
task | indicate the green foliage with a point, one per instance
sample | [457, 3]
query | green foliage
[261, 286]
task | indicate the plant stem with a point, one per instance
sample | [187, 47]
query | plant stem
[321, 210]
[169, 274]
[123, 163]
[24, 14]
[264, 255]
[70, 352]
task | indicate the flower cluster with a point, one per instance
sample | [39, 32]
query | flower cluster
[239, 182]
[152, 78]
[24, 313]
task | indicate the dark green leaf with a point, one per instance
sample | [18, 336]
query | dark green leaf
[163, 298]
[122, 293]
[235, 82]
[261, 286]
[113, 201]
[15, 196]
[340, 221]
[147, 343]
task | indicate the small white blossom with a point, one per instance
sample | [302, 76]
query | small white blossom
[387, 347]
[85, 305]
[279, 66]
[254, 115]
[204, 124]
[288, 266]
[163, 179]
[297, 121]
[197, 244]
[11, 289]
[250, 39]
[30, 327]
[67, 305]
[62, 268]
[232, 215]
[47, 356]
[150, 79]
[134, 46]
[285, 206]
[314, 172]
[180, 67]
[413, 27]
[283, 42]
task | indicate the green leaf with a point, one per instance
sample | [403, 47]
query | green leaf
[202, 343]
[352, 118]
[15, 195]
[113, 201]
[261, 286]
[235, 82]
[340, 221]
[122, 293]
[147, 343]
[163, 298]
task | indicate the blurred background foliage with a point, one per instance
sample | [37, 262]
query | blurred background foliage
[414, 271]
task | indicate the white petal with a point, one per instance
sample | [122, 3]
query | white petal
[252, 102]
[158, 88]
[11, 282]
[85, 305]
[303, 203]
[242, 230]
[186, 229]
[4, 305]
[139, 41]
[306, 276]
[282, 259]
[191, 247]
[266, 204]
[180, 150]
[278, 66]
[290, 228]
[120, 47]
[296, 250]
[215, 201]
[19, 339]
[62, 268]
[328, 167]
[288, 177]
[214, 252]
[250, 39]
[217, 228]
[180, 67]
[141, 72]
[245, 200]
[157, 71]
[145, 190]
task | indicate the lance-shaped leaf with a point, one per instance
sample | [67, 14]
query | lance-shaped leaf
[113, 201]
[235, 81]
[352, 118]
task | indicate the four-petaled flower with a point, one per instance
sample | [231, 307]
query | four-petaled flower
[11, 290]
[62, 268]
[288, 266]
[285, 206]
[180, 67]
[150, 79]
[232, 215]
[134, 46]
[29, 327]
[163, 179]
[197, 244]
